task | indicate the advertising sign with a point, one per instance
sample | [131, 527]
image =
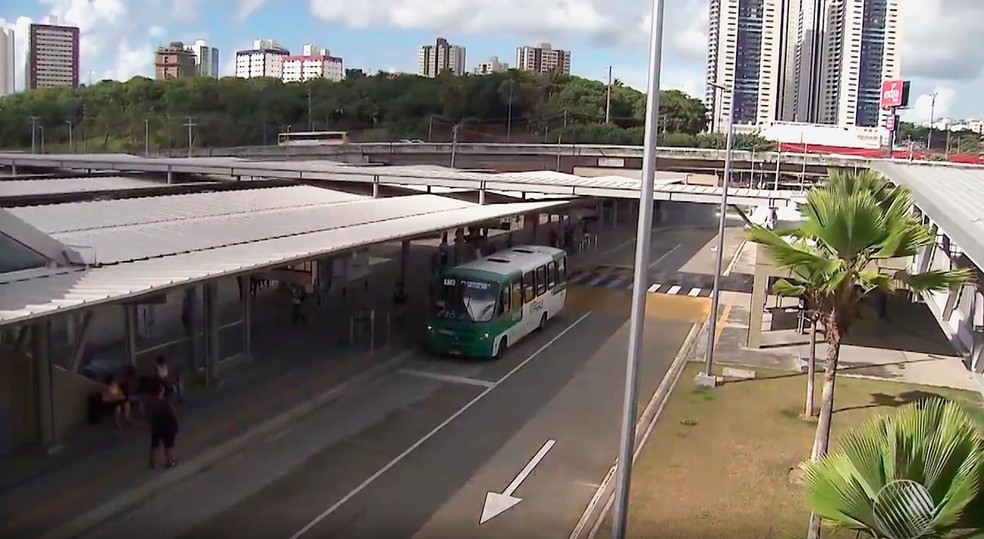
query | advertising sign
[890, 122]
[894, 94]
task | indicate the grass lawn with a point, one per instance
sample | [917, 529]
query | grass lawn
[718, 461]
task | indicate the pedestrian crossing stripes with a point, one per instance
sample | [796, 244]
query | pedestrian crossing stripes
[678, 283]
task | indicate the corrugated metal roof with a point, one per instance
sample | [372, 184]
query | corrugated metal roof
[10, 187]
[23, 300]
[952, 196]
[77, 216]
[124, 244]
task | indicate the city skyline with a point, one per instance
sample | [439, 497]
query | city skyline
[119, 36]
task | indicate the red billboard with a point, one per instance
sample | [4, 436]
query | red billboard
[894, 94]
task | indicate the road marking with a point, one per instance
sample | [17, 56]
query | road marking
[654, 288]
[598, 279]
[694, 292]
[675, 289]
[734, 259]
[372, 478]
[619, 282]
[449, 378]
[666, 254]
[496, 503]
[577, 279]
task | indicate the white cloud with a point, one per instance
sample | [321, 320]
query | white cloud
[247, 8]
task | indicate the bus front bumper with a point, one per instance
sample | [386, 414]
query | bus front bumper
[451, 346]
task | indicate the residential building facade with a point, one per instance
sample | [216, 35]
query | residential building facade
[490, 65]
[543, 58]
[432, 60]
[7, 62]
[265, 59]
[750, 47]
[860, 50]
[174, 61]
[312, 63]
[52, 56]
[206, 59]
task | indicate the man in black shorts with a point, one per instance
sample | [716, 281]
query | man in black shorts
[163, 426]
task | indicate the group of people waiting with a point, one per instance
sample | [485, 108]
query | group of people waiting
[155, 396]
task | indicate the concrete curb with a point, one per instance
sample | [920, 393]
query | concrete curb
[128, 500]
[594, 514]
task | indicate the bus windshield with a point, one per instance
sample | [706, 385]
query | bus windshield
[468, 300]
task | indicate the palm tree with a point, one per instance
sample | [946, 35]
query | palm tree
[851, 223]
[910, 474]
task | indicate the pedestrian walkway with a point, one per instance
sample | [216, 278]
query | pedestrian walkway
[671, 283]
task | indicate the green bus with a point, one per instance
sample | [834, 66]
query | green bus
[487, 305]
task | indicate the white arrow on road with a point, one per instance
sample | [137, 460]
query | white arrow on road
[496, 503]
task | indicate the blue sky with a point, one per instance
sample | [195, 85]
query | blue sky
[118, 36]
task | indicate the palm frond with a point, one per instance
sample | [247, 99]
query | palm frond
[786, 288]
[935, 280]
[933, 444]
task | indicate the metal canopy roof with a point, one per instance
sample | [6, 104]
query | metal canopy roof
[72, 289]
[542, 182]
[77, 216]
[11, 187]
[135, 242]
[952, 196]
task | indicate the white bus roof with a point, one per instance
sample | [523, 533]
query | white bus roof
[520, 258]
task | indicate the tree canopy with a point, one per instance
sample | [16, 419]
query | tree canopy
[113, 115]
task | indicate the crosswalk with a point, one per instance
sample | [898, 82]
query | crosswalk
[675, 283]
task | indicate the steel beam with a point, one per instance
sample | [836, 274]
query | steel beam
[78, 344]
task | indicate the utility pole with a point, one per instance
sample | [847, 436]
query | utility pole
[454, 142]
[34, 134]
[146, 136]
[509, 117]
[608, 98]
[71, 141]
[565, 118]
[41, 129]
[626, 449]
[430, 127]
[310, 118]
[932, 120]
[190, 125]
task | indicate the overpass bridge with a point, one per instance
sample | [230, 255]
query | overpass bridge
[557, 157]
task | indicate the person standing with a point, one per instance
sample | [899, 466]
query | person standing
[163, 427]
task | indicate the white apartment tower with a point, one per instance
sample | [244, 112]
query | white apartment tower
[7, 78]
[749, 47]
[206, 59]
[859, 50]
[442, 56]
[490, 65]
[265, 59]
[543, 58]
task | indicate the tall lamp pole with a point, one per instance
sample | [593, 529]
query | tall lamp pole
[640, 274]
[707, 378]
[608, 97]
[932, 120]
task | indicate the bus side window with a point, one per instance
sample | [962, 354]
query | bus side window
[504, 300]
[562, 270]
[517, 296]
[541, 280]
[529, 287]
[551, 275]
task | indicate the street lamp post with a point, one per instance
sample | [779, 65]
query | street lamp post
[509, 114]
[454, 142]
[71, 141]
[146, 136]
[34, 134]
[932, 120]
[640, 274]
[707, 377]
[41, 129]
[608, 97]
[310, 118]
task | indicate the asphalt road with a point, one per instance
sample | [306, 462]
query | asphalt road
[417, 453]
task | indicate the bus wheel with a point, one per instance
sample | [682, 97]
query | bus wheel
[503, 344]
[543, 322]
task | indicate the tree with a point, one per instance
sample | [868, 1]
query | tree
[113, 115]
[911, 474]
[848, 226]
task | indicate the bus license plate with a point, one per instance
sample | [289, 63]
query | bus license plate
[454, 352]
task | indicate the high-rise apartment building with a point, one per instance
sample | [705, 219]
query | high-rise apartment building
[265, 59]
[432, 60]
[860, 49]
[174, 61]
[749, 46]
[543, 58]
[206, 59]
[7, 78]
[815, 61]
[312, 63]
[489, 66]
[52, 55]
